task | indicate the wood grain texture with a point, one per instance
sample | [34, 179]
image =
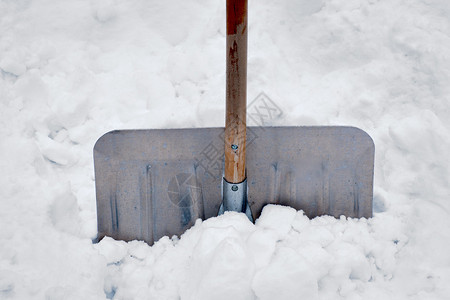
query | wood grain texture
[236, 91]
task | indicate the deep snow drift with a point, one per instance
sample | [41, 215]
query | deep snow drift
[73, 70]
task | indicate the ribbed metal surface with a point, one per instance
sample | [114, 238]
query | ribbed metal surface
[152, 183]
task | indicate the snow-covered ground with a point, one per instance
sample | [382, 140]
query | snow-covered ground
[73, 70]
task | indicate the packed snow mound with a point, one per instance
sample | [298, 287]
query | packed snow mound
[284, 255]
[72, 70]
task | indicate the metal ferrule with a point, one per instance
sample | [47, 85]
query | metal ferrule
[235, 198]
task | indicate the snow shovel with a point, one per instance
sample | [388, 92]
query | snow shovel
[155, 183]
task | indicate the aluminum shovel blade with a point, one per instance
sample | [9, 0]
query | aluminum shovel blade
[152, 183]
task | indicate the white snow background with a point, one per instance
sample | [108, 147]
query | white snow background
[73, 70]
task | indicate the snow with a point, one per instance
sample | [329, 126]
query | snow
[73, 70]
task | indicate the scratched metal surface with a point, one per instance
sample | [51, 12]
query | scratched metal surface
[152, 183]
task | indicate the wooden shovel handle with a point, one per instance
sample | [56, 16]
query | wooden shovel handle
[236, 91]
